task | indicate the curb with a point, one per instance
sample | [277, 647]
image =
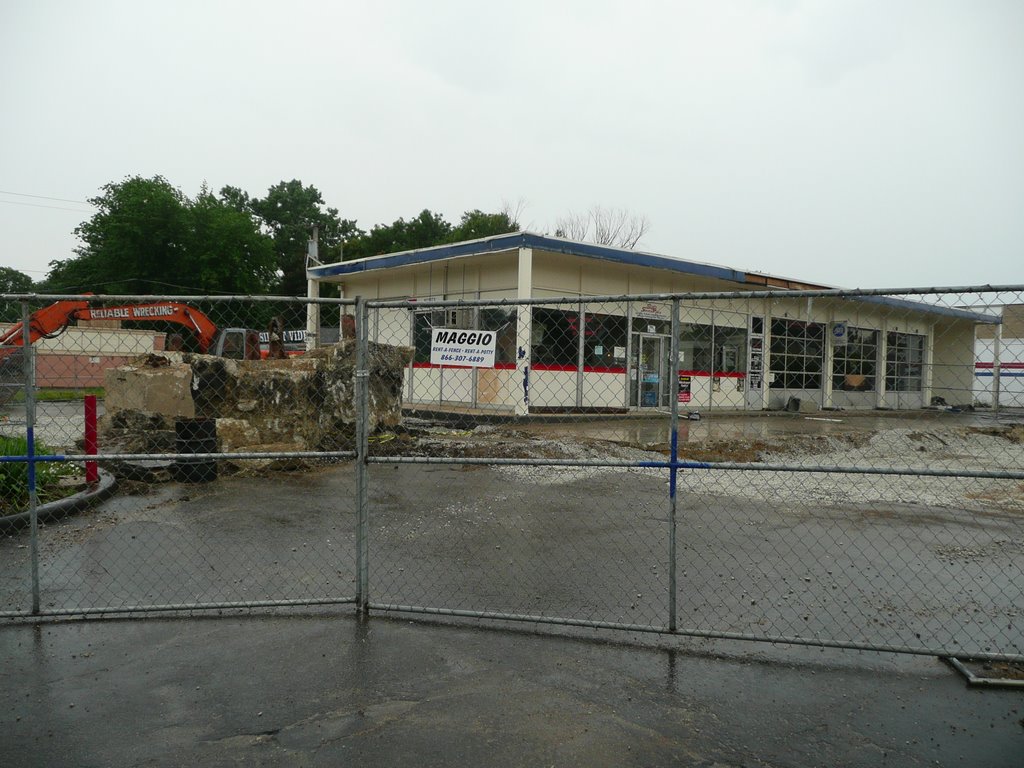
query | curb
[63, 507]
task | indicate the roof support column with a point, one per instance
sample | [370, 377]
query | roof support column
[312, 292]
[524, 330]
[312, 314]
[882, 366]
[997, 351]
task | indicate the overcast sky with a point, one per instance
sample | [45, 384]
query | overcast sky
[859, 144]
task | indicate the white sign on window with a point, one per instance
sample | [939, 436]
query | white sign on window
[839, 332]
[653, 311]
[453, 346]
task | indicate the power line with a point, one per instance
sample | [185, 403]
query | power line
[44, 197]
[205, 291]
[38, 205]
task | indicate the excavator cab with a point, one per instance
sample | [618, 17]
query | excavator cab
[237, 344]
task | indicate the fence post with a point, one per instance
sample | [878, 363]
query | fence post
[362, 415]
[92, 473]
[30, 437]
[997, 352]
[673, 472]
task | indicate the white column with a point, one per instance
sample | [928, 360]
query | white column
[312, 314]
[997, 351]
[766, 355]
[524, 329]
[828, 362]
[345, 312]
[927, 361]
[881, 400]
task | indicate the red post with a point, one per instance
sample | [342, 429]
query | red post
[92, 473]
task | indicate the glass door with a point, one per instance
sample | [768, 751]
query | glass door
[651, 370]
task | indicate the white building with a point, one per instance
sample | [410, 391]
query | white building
[1008, 352]
[737, 353]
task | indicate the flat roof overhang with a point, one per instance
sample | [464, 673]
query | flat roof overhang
[753, 281]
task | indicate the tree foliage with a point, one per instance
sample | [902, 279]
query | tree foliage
[422, 231]
[12, 281]
[288, 212]
[476, 224]
[428, 229]
[148, 236]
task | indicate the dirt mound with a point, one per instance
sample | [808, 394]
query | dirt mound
[1014, 433]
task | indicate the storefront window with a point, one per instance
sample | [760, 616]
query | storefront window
[556, 338]
[713, 349]
[604, 341]
[423, 325]
[904, 359]
[797, 350]
[695, 350]
[730, 349]
[502, 321]
[854, 362]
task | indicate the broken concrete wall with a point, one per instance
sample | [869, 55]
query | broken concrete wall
[150, 388]
[296, 404]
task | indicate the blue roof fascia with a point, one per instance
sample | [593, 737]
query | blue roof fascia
[422, 256]
[635, 258]
[526, 240]
[917, 306]
[618, 255]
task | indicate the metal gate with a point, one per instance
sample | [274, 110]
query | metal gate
[745, 510]
[737, 507]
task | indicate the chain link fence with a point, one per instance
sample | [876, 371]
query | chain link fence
[160, 396]
[813, 467]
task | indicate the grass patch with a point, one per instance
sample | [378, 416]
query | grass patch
[14, 476]
[55, 395]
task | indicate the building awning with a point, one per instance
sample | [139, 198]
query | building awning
[745, 281]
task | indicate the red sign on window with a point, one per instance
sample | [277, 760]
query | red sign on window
[684, 389]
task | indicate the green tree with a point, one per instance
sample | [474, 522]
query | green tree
[236, 198]
[12, 281]
[476, 224]
[148, 236]
[134, 237]
[289, 212]
[429, 229]
[423, 230]
[222, 240]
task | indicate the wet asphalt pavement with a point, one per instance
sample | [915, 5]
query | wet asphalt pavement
[321, 687]
[311, 690]
[326, 689]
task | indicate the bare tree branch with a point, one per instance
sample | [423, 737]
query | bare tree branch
[514, 211]
[618, 227]
[573, 226]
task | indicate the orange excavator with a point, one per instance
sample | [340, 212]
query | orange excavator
[51, 321]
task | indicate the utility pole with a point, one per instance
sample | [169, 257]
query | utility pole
[312, 290]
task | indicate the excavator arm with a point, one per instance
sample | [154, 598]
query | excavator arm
[52, 320]
[160, 311]
[42, 324]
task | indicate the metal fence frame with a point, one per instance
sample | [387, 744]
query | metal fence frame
[673, 466]
[32, 459]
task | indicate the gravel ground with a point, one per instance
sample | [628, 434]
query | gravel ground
[949, 448]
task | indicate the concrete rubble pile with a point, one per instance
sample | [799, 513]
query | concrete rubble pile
[302, 403]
